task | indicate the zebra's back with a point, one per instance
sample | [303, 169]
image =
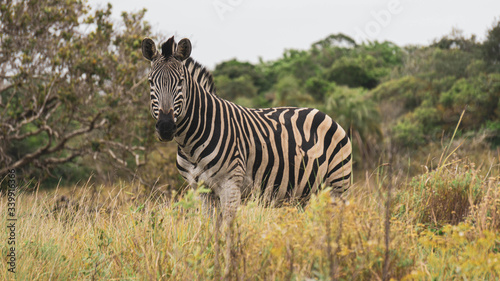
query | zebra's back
[292, 151]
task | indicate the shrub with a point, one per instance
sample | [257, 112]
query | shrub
[233, 88]
[352, 75]
[492, 130]
[317, 88]
[409, 89]
[407, 133]
[429, 117]
[443, 196]
[480, 94]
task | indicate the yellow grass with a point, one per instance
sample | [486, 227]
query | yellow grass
[124, 232]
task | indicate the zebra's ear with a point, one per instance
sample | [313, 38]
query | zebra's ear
[148, 49]
[184, 50]
[168, 48]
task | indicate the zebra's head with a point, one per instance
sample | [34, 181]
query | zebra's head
[166, 80]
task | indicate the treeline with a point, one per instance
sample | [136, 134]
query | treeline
[74, 95]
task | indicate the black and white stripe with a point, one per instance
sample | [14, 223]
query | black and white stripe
[280, 154]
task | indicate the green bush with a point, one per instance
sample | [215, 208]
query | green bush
[352, 75]
[407, 133]
[492, 130]
[317, 88]
[409, 89]
[287, 92]
[479, 94]
[429, 117]
[232, 88]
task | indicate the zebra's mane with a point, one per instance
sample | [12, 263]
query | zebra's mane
[201, 75]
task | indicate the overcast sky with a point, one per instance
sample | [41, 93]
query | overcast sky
[248, 29]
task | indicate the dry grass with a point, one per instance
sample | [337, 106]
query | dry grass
[444, 225]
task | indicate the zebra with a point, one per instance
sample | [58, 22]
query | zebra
[280, 154]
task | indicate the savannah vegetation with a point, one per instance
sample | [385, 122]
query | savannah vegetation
[100, 198]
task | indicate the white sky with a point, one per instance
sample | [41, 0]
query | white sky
[248, 29]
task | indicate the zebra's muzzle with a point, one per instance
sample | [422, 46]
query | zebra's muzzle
[165, 126]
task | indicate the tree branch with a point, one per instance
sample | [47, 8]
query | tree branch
[129, 149]
[139, 83]
[34, 116]
[6, 87]
[112, 154]
[78, 132]
[27, 158]
[47, 150]
[29, 134]
[55, 161]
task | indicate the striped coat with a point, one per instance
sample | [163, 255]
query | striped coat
[278, 154]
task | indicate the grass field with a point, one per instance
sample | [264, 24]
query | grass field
[441, 225]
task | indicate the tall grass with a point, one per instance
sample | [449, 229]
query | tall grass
[442, 227]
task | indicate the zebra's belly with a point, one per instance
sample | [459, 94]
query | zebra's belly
[293, 180]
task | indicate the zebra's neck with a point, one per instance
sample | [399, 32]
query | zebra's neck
[200, 75]
[198, 97]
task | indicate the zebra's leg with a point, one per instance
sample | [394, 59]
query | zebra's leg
[209, 204]
[230, 199]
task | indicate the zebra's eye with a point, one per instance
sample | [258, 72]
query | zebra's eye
[151, 83]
